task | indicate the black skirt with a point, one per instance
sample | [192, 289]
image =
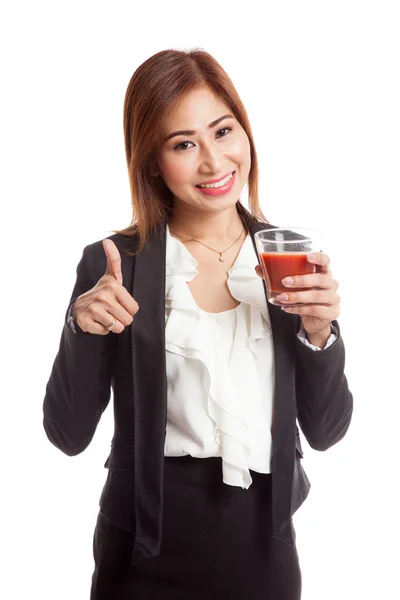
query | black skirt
[216, 543]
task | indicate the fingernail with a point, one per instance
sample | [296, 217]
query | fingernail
[288, 281]
[289, 308]
[311, 256]
[282, 297]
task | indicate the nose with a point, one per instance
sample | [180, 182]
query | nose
[210, 160]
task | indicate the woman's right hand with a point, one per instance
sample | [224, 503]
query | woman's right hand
[94, 310]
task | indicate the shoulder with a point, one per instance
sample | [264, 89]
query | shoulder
[258, 225]
[126, 244]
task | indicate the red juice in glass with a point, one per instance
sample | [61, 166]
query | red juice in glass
[282, 252]
[278, 265]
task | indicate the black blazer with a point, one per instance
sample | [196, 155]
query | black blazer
[309, 385]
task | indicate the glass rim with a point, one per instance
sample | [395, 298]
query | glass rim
[294, 229]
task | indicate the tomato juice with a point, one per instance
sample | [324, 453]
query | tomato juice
[278, 265]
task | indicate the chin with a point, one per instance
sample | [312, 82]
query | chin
[220, 204]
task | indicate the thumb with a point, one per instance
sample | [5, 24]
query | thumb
[113, 260]
[259, 271]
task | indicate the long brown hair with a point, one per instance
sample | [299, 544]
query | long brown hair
[155, 89]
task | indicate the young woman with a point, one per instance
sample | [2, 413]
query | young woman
[208, 378]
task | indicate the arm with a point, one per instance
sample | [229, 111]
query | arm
[78, 390]
[324, 402]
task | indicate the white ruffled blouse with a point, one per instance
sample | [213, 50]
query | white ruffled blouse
[220, 369]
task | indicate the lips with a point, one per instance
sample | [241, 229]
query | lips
[219, 190]
[214, 180]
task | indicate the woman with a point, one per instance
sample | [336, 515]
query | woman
[205, 465]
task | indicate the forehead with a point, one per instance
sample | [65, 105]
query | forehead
[196, 110]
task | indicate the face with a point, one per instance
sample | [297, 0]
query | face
[205, 142]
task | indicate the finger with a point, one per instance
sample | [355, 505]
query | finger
[321, 260]
[113, 260]
[125, 300]
[325, 296]
[105, 308]
[311, 280]
[259, 271]
[325, 313]
[108, 320]
[101, 329]
[89, 325]
[105, 319]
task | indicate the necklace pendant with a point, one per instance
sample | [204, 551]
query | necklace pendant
[221, 258]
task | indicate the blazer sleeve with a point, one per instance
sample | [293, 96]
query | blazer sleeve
[79, 387]
[324, 401]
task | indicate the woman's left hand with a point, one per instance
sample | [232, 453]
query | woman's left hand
[320, 298]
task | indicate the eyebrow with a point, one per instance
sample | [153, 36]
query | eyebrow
[192, 132]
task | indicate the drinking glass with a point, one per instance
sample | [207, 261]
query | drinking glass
[283, 253]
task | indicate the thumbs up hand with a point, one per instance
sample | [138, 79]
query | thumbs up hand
[94, 311]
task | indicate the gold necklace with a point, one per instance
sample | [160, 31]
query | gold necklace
[221, 258]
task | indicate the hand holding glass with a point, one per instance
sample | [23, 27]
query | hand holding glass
[283, 253]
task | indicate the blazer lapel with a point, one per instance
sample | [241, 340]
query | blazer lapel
[149, 394]
[284, 419]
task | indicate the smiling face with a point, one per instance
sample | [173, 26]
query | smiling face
[203, 141]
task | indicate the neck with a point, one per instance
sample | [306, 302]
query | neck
[218, 227]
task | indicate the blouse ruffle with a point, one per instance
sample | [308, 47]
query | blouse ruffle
[234, 394]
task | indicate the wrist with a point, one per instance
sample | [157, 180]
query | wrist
[320, 338]
[73, 313]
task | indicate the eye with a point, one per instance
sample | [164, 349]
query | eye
[181, 146]
[228, 129]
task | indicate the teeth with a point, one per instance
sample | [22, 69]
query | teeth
[218, 184]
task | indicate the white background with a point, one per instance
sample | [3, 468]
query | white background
[320, 81]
